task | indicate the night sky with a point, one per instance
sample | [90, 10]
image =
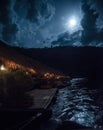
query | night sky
[42, 23]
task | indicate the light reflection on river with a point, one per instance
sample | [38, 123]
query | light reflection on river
[79, 104]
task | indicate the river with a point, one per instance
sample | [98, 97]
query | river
[79, 103]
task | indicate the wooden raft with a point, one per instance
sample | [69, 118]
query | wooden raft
[42, 98]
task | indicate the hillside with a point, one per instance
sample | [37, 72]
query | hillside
[75, 61]
[72, 61]
[13, 57]
[20, 73]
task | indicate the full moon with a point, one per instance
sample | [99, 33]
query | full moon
[72, 22]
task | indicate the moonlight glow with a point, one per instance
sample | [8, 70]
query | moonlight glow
[73, 24]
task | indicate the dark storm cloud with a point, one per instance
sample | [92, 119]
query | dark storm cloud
[38, 10]
[4, 15]
[9, 32]
[20, 7]
[88, 23]
[97, 3]
[67, 39]
[27, 23]
[32, 11]
[24, 18]
[92, 22]
[9, 29]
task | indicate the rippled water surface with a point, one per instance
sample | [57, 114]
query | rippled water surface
[80, 104]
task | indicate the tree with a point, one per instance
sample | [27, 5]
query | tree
[88, 23]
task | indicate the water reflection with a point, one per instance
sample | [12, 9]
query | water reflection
[79, 104]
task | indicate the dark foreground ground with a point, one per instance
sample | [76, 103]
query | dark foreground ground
[78, 103]
[77, 106]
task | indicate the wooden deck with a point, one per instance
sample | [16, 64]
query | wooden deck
[42, 98]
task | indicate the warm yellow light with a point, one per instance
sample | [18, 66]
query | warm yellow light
[49, 75]
[31, 70]
[2, 67]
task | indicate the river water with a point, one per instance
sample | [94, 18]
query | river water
[78, 103]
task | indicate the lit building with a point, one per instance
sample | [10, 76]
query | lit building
[3, 68]
[11, 65]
